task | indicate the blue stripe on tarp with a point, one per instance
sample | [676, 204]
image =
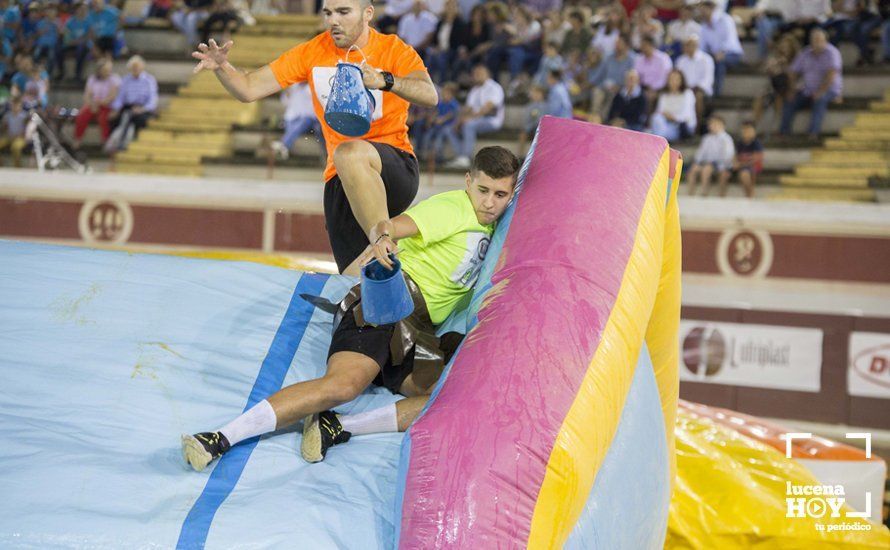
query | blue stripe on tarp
[269, 380]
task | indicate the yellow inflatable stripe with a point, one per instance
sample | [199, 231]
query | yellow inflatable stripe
[593, 418]
[664, 325]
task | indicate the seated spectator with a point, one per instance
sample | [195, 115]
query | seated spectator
[299, 119]
[101, 90]
[551, 61]
[609, 76]
[578, 37]
[806, 15]
[748, 159]
[450, 35]
[531, 115]
[674, 117]
[607, 34]
[28, 31]
[31, 82]
[629, 107]
[13, 135]
[12, 20]
[541, 8]
[559, 102]
[46, 41]
[698, 71]
[76, 40]
[159, 9]
[417, 27]
[714, 156]
[392, 13]
[477, 43]
[483, 113]
[7, 58]
[444, 124]
[680, 30]
[222, 18]
[524, 50]
[137, 95]
[884, 12]
[819, 67]
[188, 16]
[720, 39]
[778, 70]
[653, 66]
[104, 24]
[644, 23]
[769, 15]
[854, 20]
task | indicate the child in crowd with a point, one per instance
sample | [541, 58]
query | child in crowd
[748, 159]
[532, 114]
[714, 155]
[445, 123]
[551, 61]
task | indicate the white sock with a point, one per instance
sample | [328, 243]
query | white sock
[258, 420]
[384, 419]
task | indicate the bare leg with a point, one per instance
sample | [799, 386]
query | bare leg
[693, 179]
[408, 409]
[358, 164]
[348, 374]
[706, 173]
[747, 183]
[723, 180]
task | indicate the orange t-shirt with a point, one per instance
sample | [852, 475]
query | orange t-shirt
[316, 61]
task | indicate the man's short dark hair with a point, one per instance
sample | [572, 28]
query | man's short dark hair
[495, 162]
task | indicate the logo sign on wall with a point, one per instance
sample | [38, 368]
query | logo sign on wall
[868, 371]
[745, 253]
[760, 356]
[105, 222]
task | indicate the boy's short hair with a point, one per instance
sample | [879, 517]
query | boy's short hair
[495, 162]
[451, 87]
[718, 118]
[749, 123]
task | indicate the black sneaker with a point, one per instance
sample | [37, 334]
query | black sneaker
[200, 449]
[320, 432]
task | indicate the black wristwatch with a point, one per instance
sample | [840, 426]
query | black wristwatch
[389, 81]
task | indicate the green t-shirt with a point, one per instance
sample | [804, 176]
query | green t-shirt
[444, 259]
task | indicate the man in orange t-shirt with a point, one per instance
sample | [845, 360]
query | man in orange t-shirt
[368, 179]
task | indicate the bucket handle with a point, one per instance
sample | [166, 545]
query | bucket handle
[359, 50]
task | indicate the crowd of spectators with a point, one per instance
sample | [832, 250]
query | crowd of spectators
[650, 65]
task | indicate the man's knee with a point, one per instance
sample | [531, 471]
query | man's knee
[343, 388]
[349, 153]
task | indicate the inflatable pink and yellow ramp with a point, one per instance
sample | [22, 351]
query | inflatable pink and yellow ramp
[553, 426]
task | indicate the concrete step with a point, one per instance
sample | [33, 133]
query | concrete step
[196, 125]
[174, 151]
[880, 106]
[137, 157]
[825, 195]
[158, 168]
[851, 132]
[820, 181]
[846, 158]
[827, 170]
[874, 120]
[857, 143]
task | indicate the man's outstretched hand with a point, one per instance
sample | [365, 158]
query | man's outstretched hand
[211, 56]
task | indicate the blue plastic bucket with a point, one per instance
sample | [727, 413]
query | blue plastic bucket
[350, 105]
[385, 296]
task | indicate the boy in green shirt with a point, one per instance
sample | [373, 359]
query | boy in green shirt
[441, 243]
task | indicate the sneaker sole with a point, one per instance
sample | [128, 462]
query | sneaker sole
[194, 453]
[310, 446]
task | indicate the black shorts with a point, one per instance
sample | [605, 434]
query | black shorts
[401, 177]
[374, 342]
